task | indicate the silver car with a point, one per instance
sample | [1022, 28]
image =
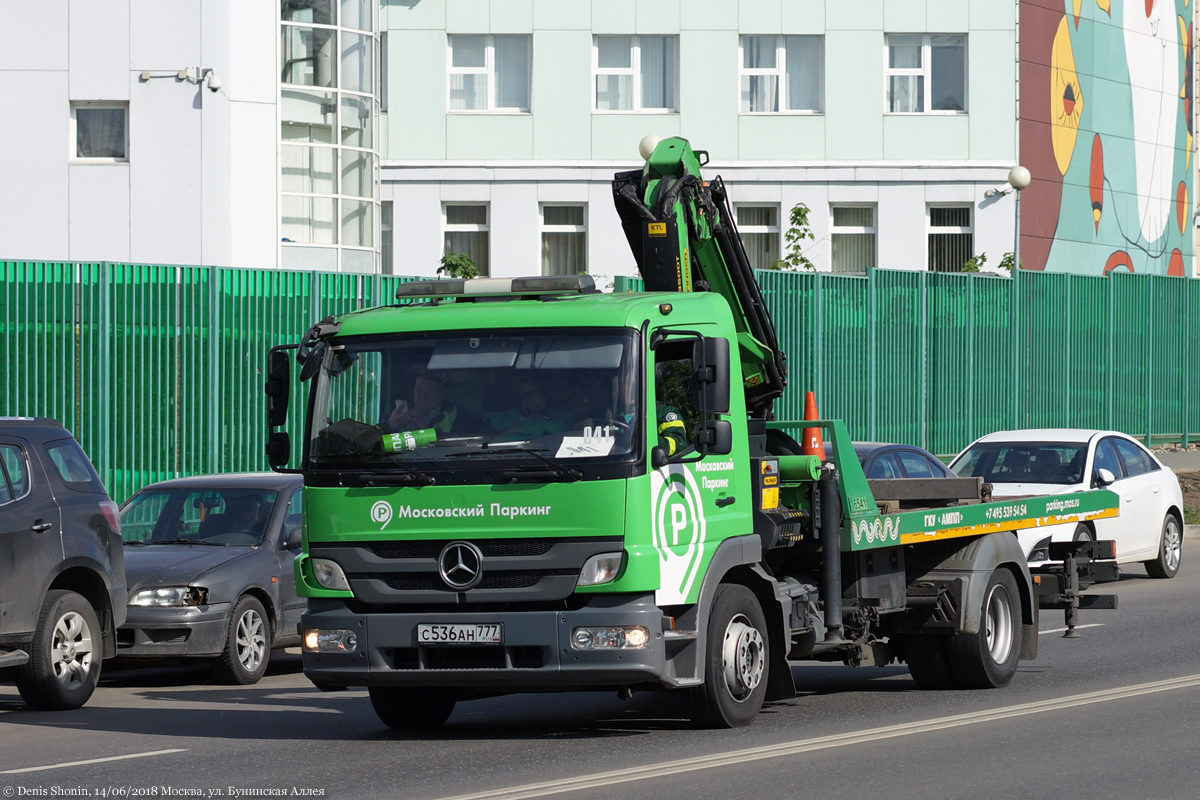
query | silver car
[209, 561]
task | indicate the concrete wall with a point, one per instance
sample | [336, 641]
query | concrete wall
[199, 186]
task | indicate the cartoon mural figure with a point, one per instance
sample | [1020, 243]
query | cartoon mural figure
[1120, 72]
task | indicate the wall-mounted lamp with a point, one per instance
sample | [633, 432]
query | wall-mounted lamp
[199, 75]
[1018, 179]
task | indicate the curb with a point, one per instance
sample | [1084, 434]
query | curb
[1191, 531]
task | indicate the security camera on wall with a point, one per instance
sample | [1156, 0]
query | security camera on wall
[214, 83]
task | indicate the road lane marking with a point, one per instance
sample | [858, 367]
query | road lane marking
[737, 757]
[1077, 627]
[92, 761]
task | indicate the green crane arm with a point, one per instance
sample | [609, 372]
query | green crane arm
[682, 233]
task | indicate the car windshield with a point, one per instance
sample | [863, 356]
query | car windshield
[418, 401]
[197, 516]
[1023, 462]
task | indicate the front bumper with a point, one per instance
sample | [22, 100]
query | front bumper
[536, 652]
[170, 632]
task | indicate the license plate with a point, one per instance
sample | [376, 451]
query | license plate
[479, 633]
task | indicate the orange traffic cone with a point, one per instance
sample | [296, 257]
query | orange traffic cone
[811, 440]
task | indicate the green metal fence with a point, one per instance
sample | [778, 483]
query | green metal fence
[158, 369]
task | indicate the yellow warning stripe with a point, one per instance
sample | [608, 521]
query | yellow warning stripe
[1006, 525]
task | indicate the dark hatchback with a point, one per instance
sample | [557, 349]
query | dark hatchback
[880, 460]
[209, 561]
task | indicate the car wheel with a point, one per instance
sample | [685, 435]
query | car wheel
[65, 655]
[409, 708]
[1083, 533]
[247, 644]
[988, 658]
[1170, 550]
[737, 660]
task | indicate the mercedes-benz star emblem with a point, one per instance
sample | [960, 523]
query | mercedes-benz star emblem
[460, 565]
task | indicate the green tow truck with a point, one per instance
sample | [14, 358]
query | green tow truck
[526, 485]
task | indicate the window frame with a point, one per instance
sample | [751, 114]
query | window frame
[462, 227]
[925, 72]
[543, 228]
[634, 70]
[72, 137]
[7, 479]
[488, 69]
[780, 73]
[777, 228]
[930, 230]
[854, 230]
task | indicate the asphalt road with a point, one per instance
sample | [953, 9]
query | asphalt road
[1114, 714]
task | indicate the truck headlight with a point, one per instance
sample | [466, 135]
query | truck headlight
[600, 569]
[631, 637]
[169, 596]
[329, 574]
[319, 641]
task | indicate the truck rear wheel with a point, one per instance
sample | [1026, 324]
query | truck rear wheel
[407, 708]
[64, 657]
[988, 659]
[736, 664]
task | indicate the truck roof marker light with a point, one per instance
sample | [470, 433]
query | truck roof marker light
[665, 308]
[496, 287]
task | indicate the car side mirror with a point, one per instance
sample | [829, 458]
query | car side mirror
[294, 538]
[1104, 477]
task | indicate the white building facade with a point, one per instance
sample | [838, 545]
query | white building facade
[888, 120]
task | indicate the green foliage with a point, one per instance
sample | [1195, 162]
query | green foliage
[458, 265]
[974, 263]
[796, 235]
[1007, 262]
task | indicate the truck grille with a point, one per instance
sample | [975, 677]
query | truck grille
[513, 570]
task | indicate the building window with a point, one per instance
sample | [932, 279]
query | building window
[951, 240]
[852, 238]
[781, 73]
[385, 238]
[564, 240]
[466, 233]
[636, 73]
[758, 227]
[99, 132]
[489, 73]
[926, 74]
[329, 70]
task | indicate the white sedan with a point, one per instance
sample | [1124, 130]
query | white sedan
[1149, 527]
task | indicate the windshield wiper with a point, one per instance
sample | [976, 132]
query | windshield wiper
[410, 474]
[556, 472]
[191, 541]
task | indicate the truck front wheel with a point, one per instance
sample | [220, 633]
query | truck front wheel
[988, 659]
[736, 661]
[407, 708]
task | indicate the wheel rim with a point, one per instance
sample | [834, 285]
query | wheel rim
[71, 650]
[251, 643]
[743, 658]
[998, 625]
[1172, 545]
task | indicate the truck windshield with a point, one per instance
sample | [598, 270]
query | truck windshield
[427, 400]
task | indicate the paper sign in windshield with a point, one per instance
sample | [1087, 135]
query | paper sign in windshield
[585, 446]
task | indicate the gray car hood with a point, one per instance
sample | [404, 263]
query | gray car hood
[174, 564]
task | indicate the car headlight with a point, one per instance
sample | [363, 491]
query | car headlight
[169, 596]
[329, 574]
[1040, 551]
[600, 569]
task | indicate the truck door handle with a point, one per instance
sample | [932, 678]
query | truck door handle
[42, 525]
[725, 501]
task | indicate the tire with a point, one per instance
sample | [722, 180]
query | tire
[247, 644]
[737, 659]
[1170, 550]
[928, 657]
[1083, 534]
[65, 655]
[988, 659]
[406, 708]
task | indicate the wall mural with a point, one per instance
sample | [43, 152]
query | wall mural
[1106, 131]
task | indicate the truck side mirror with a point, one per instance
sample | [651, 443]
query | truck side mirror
[714, 437]
[279, 384]
[279, 449]
[711, 357]
[658, 457]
